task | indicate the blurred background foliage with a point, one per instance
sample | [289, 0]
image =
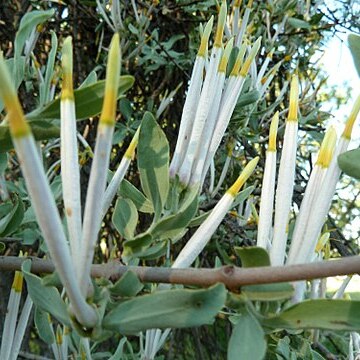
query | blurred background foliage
[159, 43]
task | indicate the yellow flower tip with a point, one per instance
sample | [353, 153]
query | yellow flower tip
[351, 120]
[250, 4]
[18, 281]
[270, 54]
[225, 56]
[273, 132]
[130, 151]
[327, 148]
[112, 82]
[237, 3]
[205, 37]
[67, 69]
[294, 99]
[238, 62]
[59, 337]
[253, 52]
[221, 25]
[322, 242]
[17, 123]
[245, 174]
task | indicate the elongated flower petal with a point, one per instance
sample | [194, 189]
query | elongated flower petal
[191, 103]
[100, 165]
[70, 174]
[286, 178]
[42, 199]
[201, 237]
[322, 204]
[244, 22]
[268, 188]
[11, 316]
[208, 130]
[310, 196]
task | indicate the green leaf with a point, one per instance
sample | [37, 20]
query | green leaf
[90, 79]
[42, 130]
[13, 218]
[298, 24]
[43, 326]
[88, 101]
[153, 162]
[125, 217]
[3, 162]
[45, 298]
[248, 98]
[253, 256]
[167, 309]
[171, 225]
[247, 340]
[354, 45]
[28, 22]
[128, 190]
[349, 163]
[268, 292]
[128, 285]
[318, 314]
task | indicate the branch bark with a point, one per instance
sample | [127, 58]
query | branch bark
[231, 276]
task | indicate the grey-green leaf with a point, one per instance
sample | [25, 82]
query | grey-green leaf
[153, 162]
[167, 309]
[127, 286]
[354, 45]
[128, 190]
[125, 217]
[43, 326]
[318, 314]
[349, 163]
[247, 340]
[46, 298]
[253, 256]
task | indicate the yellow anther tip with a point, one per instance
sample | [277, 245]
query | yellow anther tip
[273, 132]
[294, 99]
[18, 281]
[221, 24]
[351, 120]
[225, 56]
[205, 37]
[253, 52]
[245, 174]
[327, 148]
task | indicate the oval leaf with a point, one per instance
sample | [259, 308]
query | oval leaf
[153, 162]
[125, 217]
[349, 163]
[167, 309]
[247, 340]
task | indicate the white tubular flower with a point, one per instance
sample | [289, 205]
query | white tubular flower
[100, 165]
[235, 17]
[264, 68]
[203, 234]
[268, 78]
[244, 22]
[191, 102]
[286, 178]
[227, 107]
[11, 316]
[120, 173]
[268, 188]
[310, 196]
[42, 199]
[326, 192]
[205, 102]
[70, 173]
[21, 327]
[206, 136]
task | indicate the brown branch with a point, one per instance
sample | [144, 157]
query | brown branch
[231, 276]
